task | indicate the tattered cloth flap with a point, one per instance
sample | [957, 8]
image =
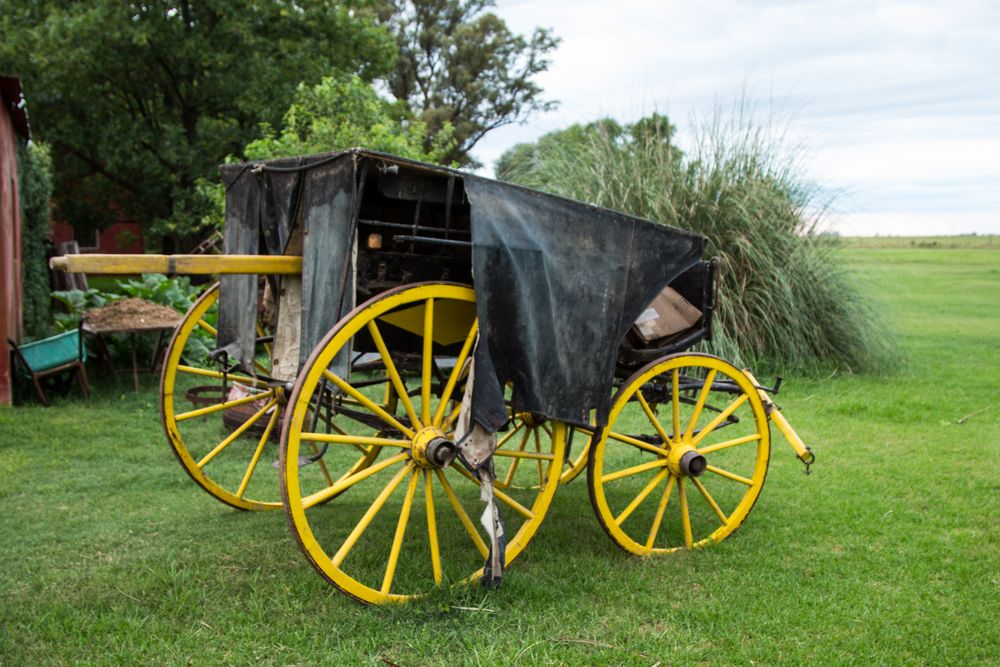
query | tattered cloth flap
[558, 283]
[265, 204]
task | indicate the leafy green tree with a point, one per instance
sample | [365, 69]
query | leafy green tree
[139, 100]
[345, 111]
[460, 65]
[337, 113]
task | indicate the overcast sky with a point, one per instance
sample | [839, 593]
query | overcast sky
[898, 102]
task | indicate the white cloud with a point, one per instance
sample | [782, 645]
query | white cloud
[899, 102]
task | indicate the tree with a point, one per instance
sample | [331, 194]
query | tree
[138, 100]
[337, 113]
[342, 112]
[461, 65]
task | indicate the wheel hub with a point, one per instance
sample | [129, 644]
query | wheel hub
[684, 460]
[430, 448]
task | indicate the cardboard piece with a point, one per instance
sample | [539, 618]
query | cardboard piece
[670, 313]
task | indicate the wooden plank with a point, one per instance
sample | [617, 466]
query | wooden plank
[179, 264]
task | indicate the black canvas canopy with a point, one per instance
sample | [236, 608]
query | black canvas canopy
[558, 283]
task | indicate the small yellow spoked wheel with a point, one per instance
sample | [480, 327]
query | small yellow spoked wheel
[683, 458]
[410, 520]
[222, 423]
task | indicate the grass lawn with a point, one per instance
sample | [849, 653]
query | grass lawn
[888, 554]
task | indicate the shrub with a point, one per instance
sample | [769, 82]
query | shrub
[35, 191]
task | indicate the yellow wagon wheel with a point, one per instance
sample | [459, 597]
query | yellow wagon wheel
[683, 458]
[407, 523]
[221, 425]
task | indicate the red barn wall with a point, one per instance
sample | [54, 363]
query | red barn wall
[119, 237]
[10, 250]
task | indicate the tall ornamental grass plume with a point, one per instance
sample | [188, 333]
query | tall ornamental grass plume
[786, 300]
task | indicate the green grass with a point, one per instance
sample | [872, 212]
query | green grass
[987, 241]
[888, 554]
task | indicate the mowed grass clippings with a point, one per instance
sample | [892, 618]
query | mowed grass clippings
[888, 554]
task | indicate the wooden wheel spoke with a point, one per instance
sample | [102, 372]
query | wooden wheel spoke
[636, 442]
[224, 405]
[634, 505]
[432, 536]
[397, 539]
[513, 504]
[729, 475]
[257, 454]
[675, 402]
[207, 327]
[700, 404]
[658, 519]
[730, 443]
[509, 434]
[513, 466]
[367, 403]
[462, 516]
[721, 417]
[356, 440]
[456, 372]
[452, 416]
[711, 501]
[513, 453]
[321, 463]
[219, 375]
[634, 470]
[652, 418]
[237, 433]
[501, 496]
[366, 520]
[541, 466]
[428, 361]
[685, 515]
[350, 480]
[393, 372]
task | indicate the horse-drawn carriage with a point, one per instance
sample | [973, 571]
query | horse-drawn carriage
[394, 349]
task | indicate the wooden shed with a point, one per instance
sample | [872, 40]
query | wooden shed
[13, 129]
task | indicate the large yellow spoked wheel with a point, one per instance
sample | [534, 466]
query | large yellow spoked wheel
[683, 458]
[222, 423]
[411, 520]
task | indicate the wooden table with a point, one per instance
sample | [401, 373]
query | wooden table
[99, 332]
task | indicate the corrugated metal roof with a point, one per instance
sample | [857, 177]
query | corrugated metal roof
[14, 103]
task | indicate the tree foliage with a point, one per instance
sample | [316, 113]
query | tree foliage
[342, 112]
[460, 65]
[784, 298]
[138, 100]
[337, 113]
[35, 191]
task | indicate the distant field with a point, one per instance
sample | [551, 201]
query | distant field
[966, 241]
[889, 554]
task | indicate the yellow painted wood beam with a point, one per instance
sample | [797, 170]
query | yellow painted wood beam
[179, 264]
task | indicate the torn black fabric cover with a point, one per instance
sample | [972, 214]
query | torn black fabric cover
[327, 246]
[264, 203]
[241, 236]
[558, 283]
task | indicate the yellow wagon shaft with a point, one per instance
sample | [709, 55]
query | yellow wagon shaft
[200, 265]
